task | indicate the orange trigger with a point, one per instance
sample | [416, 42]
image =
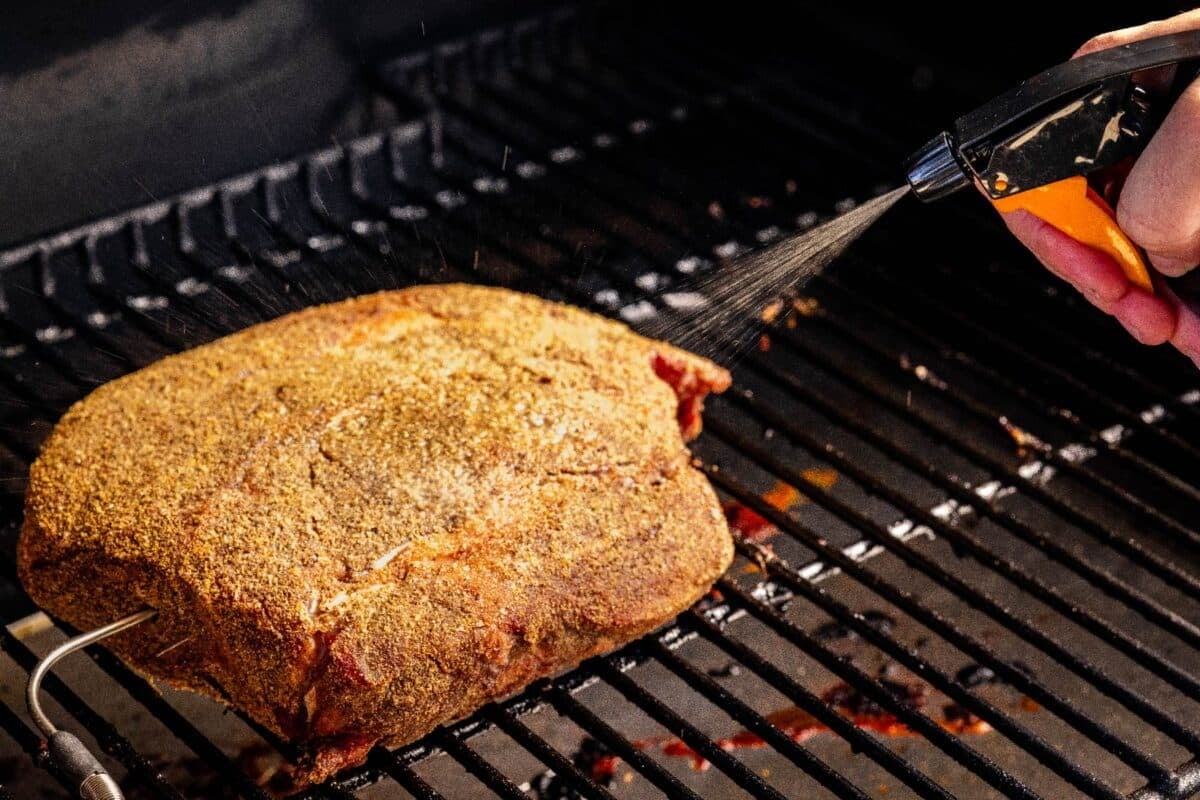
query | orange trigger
[1078, 211]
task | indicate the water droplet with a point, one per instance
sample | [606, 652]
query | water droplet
[640, 311]
[685, 301]
[609, 298]
[564, 155]
[650, 281]
[807, 220]
[530, 170]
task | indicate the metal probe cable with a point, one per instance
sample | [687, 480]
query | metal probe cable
[68, 752]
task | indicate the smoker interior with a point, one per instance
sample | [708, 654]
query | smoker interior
[997, 503]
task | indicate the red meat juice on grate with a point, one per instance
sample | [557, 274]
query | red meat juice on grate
[799, 725]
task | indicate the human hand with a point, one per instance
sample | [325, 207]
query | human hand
[1158, 208]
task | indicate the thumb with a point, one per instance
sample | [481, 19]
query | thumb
[1159, 207]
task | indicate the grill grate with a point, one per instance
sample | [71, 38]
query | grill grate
[1012, 495]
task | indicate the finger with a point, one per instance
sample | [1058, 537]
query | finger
[1093, 273]
[1188, 21]
[1151, 319]
[1157, 80]
[1171, 266]
[1186, 337]
[1159, 207]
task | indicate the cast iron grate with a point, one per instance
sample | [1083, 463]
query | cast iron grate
[990, 551]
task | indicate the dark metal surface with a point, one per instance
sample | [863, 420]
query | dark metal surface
[1000, 503]
[112, 106]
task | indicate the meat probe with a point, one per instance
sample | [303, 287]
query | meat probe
[69, 753]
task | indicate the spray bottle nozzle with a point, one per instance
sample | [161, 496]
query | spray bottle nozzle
[934, 171]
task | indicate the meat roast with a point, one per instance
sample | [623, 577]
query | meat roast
[365, 519]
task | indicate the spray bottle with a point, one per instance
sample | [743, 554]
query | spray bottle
[1035, 146]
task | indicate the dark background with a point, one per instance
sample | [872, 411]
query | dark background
[113, 105]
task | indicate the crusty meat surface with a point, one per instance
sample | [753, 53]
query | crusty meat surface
[365, 519]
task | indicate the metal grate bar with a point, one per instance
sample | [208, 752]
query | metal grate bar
[611, 105]
[885, 151]
[141, 320]
[582, 716]
[214, 264]
[31, 743]
[858, 739]
[158, 271]
[477, 766]
[983, 411]
[47, 354]
[520, 113]
[1137, 759]
[1147, 434]
[414, 783]
[742, 713]
[1184, 784]
[100, 286]
[553, 759]
[796, 128]
[696, 79]
[112, 354]
[332, 790]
